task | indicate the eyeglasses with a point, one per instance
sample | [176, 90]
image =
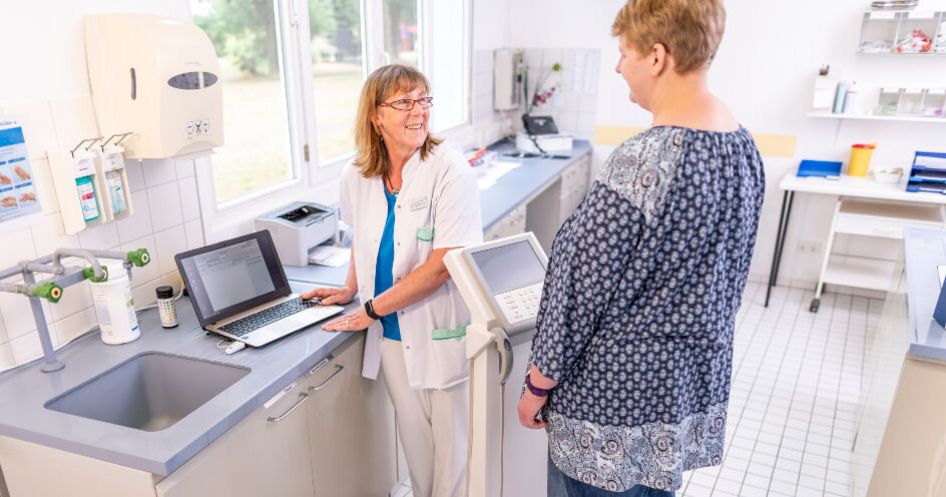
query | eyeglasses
[408, 103]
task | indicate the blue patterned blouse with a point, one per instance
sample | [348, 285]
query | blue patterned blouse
[637, 313]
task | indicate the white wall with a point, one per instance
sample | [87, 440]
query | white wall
[44, 83]
[764, 71]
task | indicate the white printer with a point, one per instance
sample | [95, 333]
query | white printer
[299, 227]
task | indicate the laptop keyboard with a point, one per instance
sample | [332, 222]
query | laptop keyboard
[267, 316]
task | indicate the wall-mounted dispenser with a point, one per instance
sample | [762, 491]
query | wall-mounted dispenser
[506, 78]
[157, 78]
[77, 181]
[112, 179]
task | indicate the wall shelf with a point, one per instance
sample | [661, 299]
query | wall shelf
[871, 117]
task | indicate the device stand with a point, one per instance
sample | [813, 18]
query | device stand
[485, 472]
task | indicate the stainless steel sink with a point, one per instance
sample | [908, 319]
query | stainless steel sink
[149, 392]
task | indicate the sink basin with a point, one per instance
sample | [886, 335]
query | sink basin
[149, 392]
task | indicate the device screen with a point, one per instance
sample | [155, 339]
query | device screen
[509, 267]
[233, 277]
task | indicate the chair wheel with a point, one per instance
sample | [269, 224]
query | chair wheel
[815, 303]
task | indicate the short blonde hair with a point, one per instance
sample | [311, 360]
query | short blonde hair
[387, 81]
[689, 29]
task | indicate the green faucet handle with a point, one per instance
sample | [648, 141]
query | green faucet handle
[49, 291]
[139, 257]
[89, 274]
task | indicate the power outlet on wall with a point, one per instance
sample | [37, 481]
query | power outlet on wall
[808, 247]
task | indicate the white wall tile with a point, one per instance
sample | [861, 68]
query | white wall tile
[101, 237]
[139, 223]
[27, 347]
[75, 325]
[17, 246]
[74, 299]
[194, 232]
[185, 168]
[17, 316]
[190, 202]
[149, 272]
[49, 235]
[143, 292]
[136, 178]
[6, 356]
[158, 171]
[165, 203]
[169, 243]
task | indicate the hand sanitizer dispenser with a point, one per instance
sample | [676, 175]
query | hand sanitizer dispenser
[156, 78]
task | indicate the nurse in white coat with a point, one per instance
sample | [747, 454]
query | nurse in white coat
[410, 201]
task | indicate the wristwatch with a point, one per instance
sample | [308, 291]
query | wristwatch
[369, 310]
[538, 392]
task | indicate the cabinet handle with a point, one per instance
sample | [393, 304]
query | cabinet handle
[338, 369]
[320, 365]
[302, 398]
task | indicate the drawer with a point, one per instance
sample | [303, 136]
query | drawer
[575, 176]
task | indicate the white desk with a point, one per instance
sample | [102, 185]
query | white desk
[846, 186]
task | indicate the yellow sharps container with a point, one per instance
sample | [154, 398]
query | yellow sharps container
[860, 158]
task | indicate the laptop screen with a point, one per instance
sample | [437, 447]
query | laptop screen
[232, 276]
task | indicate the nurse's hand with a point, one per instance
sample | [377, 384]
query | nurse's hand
[330, 296]
[529, 407]
[355, 321]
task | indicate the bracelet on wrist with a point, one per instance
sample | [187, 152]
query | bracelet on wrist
[369, 310]
[538, 392]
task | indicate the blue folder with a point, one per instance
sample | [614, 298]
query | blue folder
[819, 168]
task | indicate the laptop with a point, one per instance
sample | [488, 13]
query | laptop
[239, 290]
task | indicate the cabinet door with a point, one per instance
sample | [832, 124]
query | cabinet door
[351, 429]
[265, 454]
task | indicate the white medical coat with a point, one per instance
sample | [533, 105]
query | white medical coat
[438, 207]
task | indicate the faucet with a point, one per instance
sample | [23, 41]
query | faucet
[51, 289]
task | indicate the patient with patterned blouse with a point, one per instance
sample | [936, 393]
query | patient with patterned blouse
[632, 355]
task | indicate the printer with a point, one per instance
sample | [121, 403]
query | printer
[299, 227]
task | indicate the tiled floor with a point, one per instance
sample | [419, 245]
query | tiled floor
[796, 383]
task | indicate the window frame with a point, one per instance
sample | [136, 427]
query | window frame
[312, 179]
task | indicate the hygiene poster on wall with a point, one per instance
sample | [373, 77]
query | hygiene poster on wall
[17, 191]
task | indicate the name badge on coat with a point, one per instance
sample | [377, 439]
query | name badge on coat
[418, 204]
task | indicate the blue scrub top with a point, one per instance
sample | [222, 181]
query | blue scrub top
[384, 269]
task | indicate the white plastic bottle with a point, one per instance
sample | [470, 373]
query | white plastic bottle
[115, 307]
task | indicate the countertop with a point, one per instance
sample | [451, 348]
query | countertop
[924, 250]
[25, 390]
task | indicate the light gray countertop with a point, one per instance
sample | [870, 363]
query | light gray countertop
[25, 390]
[924, 250]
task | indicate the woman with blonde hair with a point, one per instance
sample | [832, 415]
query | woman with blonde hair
[410, 200]
[632, 354]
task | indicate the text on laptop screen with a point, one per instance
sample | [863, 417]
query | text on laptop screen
[233, 274]
[509, 267]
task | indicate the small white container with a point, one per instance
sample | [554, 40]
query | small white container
[888, 175]
[115, 307]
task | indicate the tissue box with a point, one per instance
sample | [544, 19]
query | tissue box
[550, 143]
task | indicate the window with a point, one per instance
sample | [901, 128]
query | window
[337, 73]
[292, 72]
[400, 32]
[256, 121]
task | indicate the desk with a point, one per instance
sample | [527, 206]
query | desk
[847, 186]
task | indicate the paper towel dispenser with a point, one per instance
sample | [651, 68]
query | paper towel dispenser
[157, 78]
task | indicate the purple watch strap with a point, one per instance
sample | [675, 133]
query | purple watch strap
[538, 392]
